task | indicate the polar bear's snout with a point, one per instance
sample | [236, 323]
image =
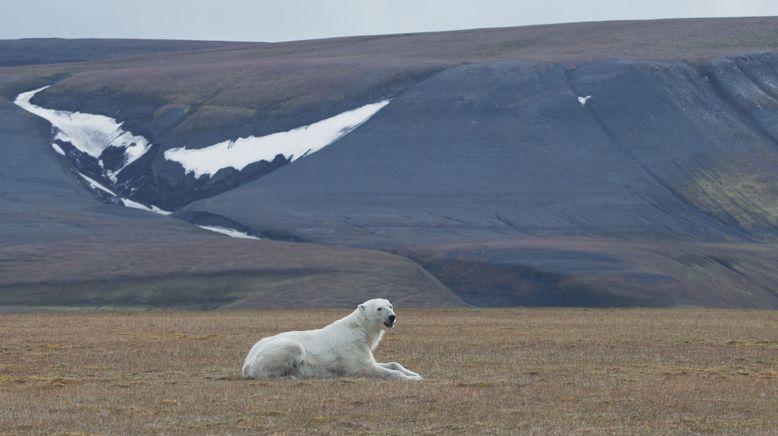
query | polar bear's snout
[390, 320]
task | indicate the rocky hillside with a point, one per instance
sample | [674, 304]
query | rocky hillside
[591, 164]
[61, 247]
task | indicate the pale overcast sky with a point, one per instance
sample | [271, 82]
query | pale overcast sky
[283, 20]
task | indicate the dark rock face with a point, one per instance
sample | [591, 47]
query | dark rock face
[152, 179]
[171, 187]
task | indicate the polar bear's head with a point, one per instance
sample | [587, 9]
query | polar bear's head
[378, 311]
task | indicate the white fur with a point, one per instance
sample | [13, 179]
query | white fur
[343, 348]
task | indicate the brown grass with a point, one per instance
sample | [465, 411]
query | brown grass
[487, 371]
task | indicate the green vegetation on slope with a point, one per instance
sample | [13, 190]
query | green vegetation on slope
[743, 189]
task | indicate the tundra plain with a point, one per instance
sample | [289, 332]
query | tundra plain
[487, 371]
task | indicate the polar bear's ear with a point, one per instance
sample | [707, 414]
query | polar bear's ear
[362, 307]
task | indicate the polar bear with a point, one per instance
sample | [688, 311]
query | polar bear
[343, 348]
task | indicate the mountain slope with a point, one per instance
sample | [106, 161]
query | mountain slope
[588, 164]
[507, 148]
[198, 98]
[507, 152]
[61, 247]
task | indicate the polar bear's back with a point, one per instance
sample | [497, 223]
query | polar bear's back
[341, 348]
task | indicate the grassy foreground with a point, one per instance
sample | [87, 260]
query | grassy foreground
[487, 371]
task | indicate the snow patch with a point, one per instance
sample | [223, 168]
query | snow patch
[135, 205]
[96, 185]
[292, 144]
[89, 133]
[583, 100]
[229, 232]
[93, 134]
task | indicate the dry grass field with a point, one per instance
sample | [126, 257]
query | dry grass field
[538, 371]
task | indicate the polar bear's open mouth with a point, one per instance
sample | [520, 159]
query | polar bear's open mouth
[389, 324]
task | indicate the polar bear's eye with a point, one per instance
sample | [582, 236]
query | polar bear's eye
[379, 309]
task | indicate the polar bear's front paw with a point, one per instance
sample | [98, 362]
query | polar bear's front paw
[416, 378]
